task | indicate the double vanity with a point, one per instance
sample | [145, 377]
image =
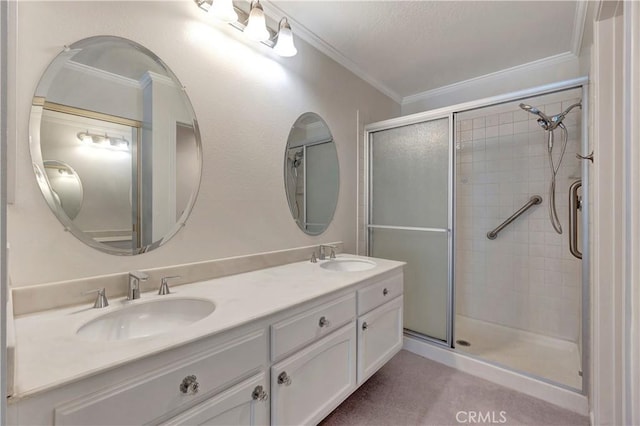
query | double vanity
[119, 165]
[282, 345]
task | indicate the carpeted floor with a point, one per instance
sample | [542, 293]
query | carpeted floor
[412, 390]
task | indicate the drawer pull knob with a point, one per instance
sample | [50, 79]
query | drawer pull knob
[189, 384]
[259, 394]
[365, 326]
[284, 379]
[385, 292]
[323, 322]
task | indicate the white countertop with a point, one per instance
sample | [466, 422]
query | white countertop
[49, 353]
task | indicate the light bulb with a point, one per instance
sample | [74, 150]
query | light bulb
[284, 45]
[223, 10]
[85, 137]
[257, 26]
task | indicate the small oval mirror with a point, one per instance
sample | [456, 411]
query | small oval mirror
[115, 145]
[311, 173]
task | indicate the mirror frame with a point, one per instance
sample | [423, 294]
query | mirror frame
[38, 163]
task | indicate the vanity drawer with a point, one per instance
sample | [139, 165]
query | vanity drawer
[155, 394]
[302, 329]
[376, 294]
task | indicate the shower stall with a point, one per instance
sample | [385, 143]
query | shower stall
[487, 202]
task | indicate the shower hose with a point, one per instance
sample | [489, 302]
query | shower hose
[553, 213]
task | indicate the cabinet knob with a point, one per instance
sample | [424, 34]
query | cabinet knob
[365, 326]
[323, 322]
[284, 379]
[385, 292]
[189, 384]
[259, 394]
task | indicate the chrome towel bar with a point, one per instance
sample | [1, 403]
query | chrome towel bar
[535, 199]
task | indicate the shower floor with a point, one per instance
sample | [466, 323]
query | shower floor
[553, 359]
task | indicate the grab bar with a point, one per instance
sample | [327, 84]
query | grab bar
[536, 199]
[574, 205]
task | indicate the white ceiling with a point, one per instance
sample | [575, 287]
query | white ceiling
[409, 47]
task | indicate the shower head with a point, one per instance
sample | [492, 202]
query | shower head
[543, 121]
[530, 109]
[557, 119]
[536, 111]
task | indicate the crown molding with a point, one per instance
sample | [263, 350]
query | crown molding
[579, 21]
[310, 37]
[152, 77]
[533, 66]
[105, 75]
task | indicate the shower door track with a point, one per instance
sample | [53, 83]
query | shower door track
[449, 111]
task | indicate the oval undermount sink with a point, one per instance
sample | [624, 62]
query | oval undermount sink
[146, 319]
[348, 265]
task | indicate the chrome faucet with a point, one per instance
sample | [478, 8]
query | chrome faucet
[134, 284]
[323, 253]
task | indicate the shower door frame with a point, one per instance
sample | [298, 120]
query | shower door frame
[401, 122]
[449, 112]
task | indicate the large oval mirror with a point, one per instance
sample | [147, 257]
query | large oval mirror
[311, 173]
[115, 145]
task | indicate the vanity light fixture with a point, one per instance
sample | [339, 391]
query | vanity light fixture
[224, 11]
[256, 28]
[98, 140]
[284, 44]
[253, 24]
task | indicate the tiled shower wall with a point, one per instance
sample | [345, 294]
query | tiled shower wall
[526, 278]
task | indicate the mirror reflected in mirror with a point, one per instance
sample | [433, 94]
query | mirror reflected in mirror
[115, 145]
[311, 172]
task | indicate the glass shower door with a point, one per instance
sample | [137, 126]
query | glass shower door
[410, 206]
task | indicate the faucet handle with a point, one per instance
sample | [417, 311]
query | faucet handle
[101, 298]
[313, 258]
[164, 284]
[333, 253]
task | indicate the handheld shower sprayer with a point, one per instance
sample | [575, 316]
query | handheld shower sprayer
[550, 124]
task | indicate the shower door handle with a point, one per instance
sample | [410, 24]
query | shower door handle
[574, 206]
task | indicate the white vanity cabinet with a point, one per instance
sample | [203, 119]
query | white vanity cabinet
[379, 324]
[219, 373]
[290, 367]
[309, 384]
[379, 337]
[246, 403]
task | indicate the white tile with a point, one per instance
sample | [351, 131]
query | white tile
[478, 122]
[554, 278]
[466, 136]
[552, 109]
[521, 127]
[506, 129]
[466, 125]
[492, 131]
[553, 265]
[506, 117]
[520, 115]
[492, 120]
[479, 133]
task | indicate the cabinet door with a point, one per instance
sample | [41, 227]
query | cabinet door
[312, 382]
[379, 337]
[244, 404]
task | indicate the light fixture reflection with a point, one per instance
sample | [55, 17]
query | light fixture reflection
[223, 10]
[284, 45]
[257, 26]
[105, 141]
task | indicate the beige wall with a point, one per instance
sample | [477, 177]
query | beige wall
[245, 98]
